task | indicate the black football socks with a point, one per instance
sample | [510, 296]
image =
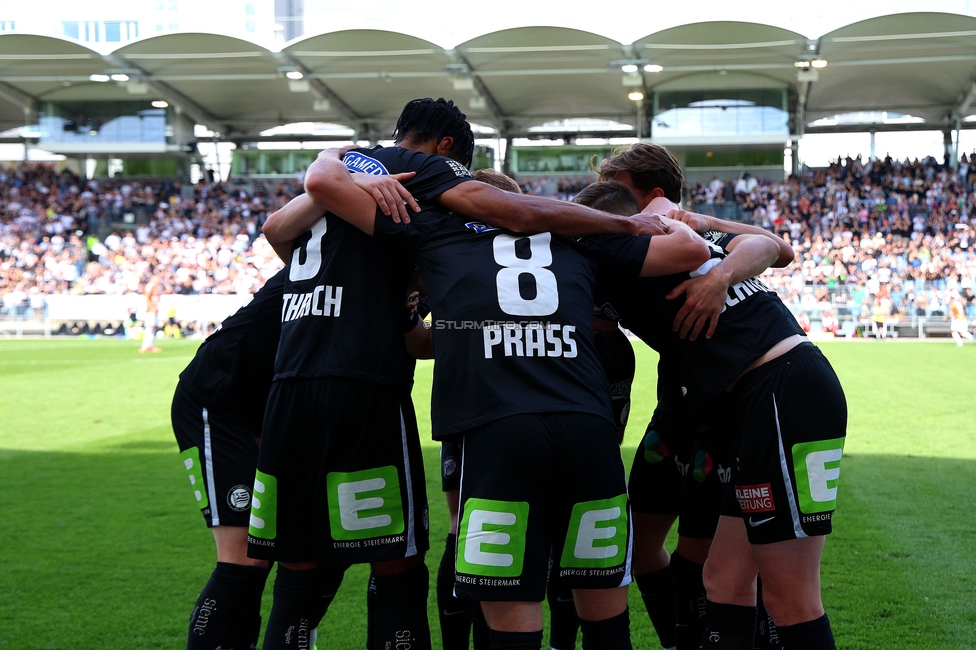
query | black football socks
[563, 621]
[228, 611]
[608, 634]
[689, 602]
[301, 598]
[811, 635]
[657, 591]
[729, 627]
[400, 610]
[515, 640]
[454, 613]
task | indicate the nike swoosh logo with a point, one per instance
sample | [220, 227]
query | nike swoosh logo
[760, 522]
[460, 611]
[560, 599]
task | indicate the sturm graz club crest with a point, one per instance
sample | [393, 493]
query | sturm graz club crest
[239, 498]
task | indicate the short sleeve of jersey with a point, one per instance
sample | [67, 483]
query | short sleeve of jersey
[623, 254]
[406, 235]
[720, 239]
[434, 174]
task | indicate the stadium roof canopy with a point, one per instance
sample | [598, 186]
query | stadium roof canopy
[921, 64]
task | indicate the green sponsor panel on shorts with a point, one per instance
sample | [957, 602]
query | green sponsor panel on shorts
[816, 466]
[365, 504]
[597, 534]
[191, 461]
[491, 538]
[264, 506]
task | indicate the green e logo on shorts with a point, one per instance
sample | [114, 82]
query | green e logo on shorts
[816, 466]
[365, 504]
[191, 461]
[597, 534]
[264, 506]
[491, 538]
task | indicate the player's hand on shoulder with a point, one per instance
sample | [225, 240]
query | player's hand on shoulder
[389, 194]
[649, 224]
[704, 301]
[697, 222]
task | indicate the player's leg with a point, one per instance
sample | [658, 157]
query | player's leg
[303, 592]
[371, 506]
[701, 497]
[729, 576]
[507, 495]
[655, 483]
[592, 528]
[149, 334]
[786, 487]
[219, 458]
[455, 614]
[563, 619]
[281, 528]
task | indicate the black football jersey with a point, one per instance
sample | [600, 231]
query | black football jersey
[618, 361]
[342, 309]
[232, 370]
[753, 320]
[512, 318]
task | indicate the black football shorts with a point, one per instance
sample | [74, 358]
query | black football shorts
[450, 465]
[340, 475]
[220, 455]
[791, 423]
[535, 483]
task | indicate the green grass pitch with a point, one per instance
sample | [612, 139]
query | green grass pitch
[101, 545]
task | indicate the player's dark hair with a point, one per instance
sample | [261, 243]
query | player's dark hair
[497, 179]
[427, 118]
[649, 165]
[609, 196]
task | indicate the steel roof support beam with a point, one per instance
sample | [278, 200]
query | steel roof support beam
[194, 110]
[495, 112]
[964, 103]
[339, 105]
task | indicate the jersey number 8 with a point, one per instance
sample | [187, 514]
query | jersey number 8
[510, 298]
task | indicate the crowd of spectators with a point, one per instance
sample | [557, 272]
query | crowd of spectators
[894, 236]
[205, 240]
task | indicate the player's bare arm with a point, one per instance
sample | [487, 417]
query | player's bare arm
[701, 223]
[705, 295]
[534, 214]
[329, 184]
[679, 249]
[284, 226]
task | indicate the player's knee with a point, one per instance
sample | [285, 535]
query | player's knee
[727, 584]
[392, 567]
[790, 602]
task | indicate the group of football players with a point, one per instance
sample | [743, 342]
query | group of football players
[299, 437]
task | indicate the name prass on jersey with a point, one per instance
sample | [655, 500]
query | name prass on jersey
[531, 340]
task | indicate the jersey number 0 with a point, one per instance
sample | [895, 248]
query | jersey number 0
[309, 267]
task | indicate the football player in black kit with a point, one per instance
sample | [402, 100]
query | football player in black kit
[516, 375]
[670, 474]
[785, 411]
[217, 411]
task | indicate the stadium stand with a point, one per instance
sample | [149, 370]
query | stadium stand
[891, 234]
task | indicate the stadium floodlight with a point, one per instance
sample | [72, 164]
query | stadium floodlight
[160, 103]
[803, 65]
[120, 77]
[819, 63]
[635, 96]
[653, 67]
[629, 68]
[100, 78]
[295, 74]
